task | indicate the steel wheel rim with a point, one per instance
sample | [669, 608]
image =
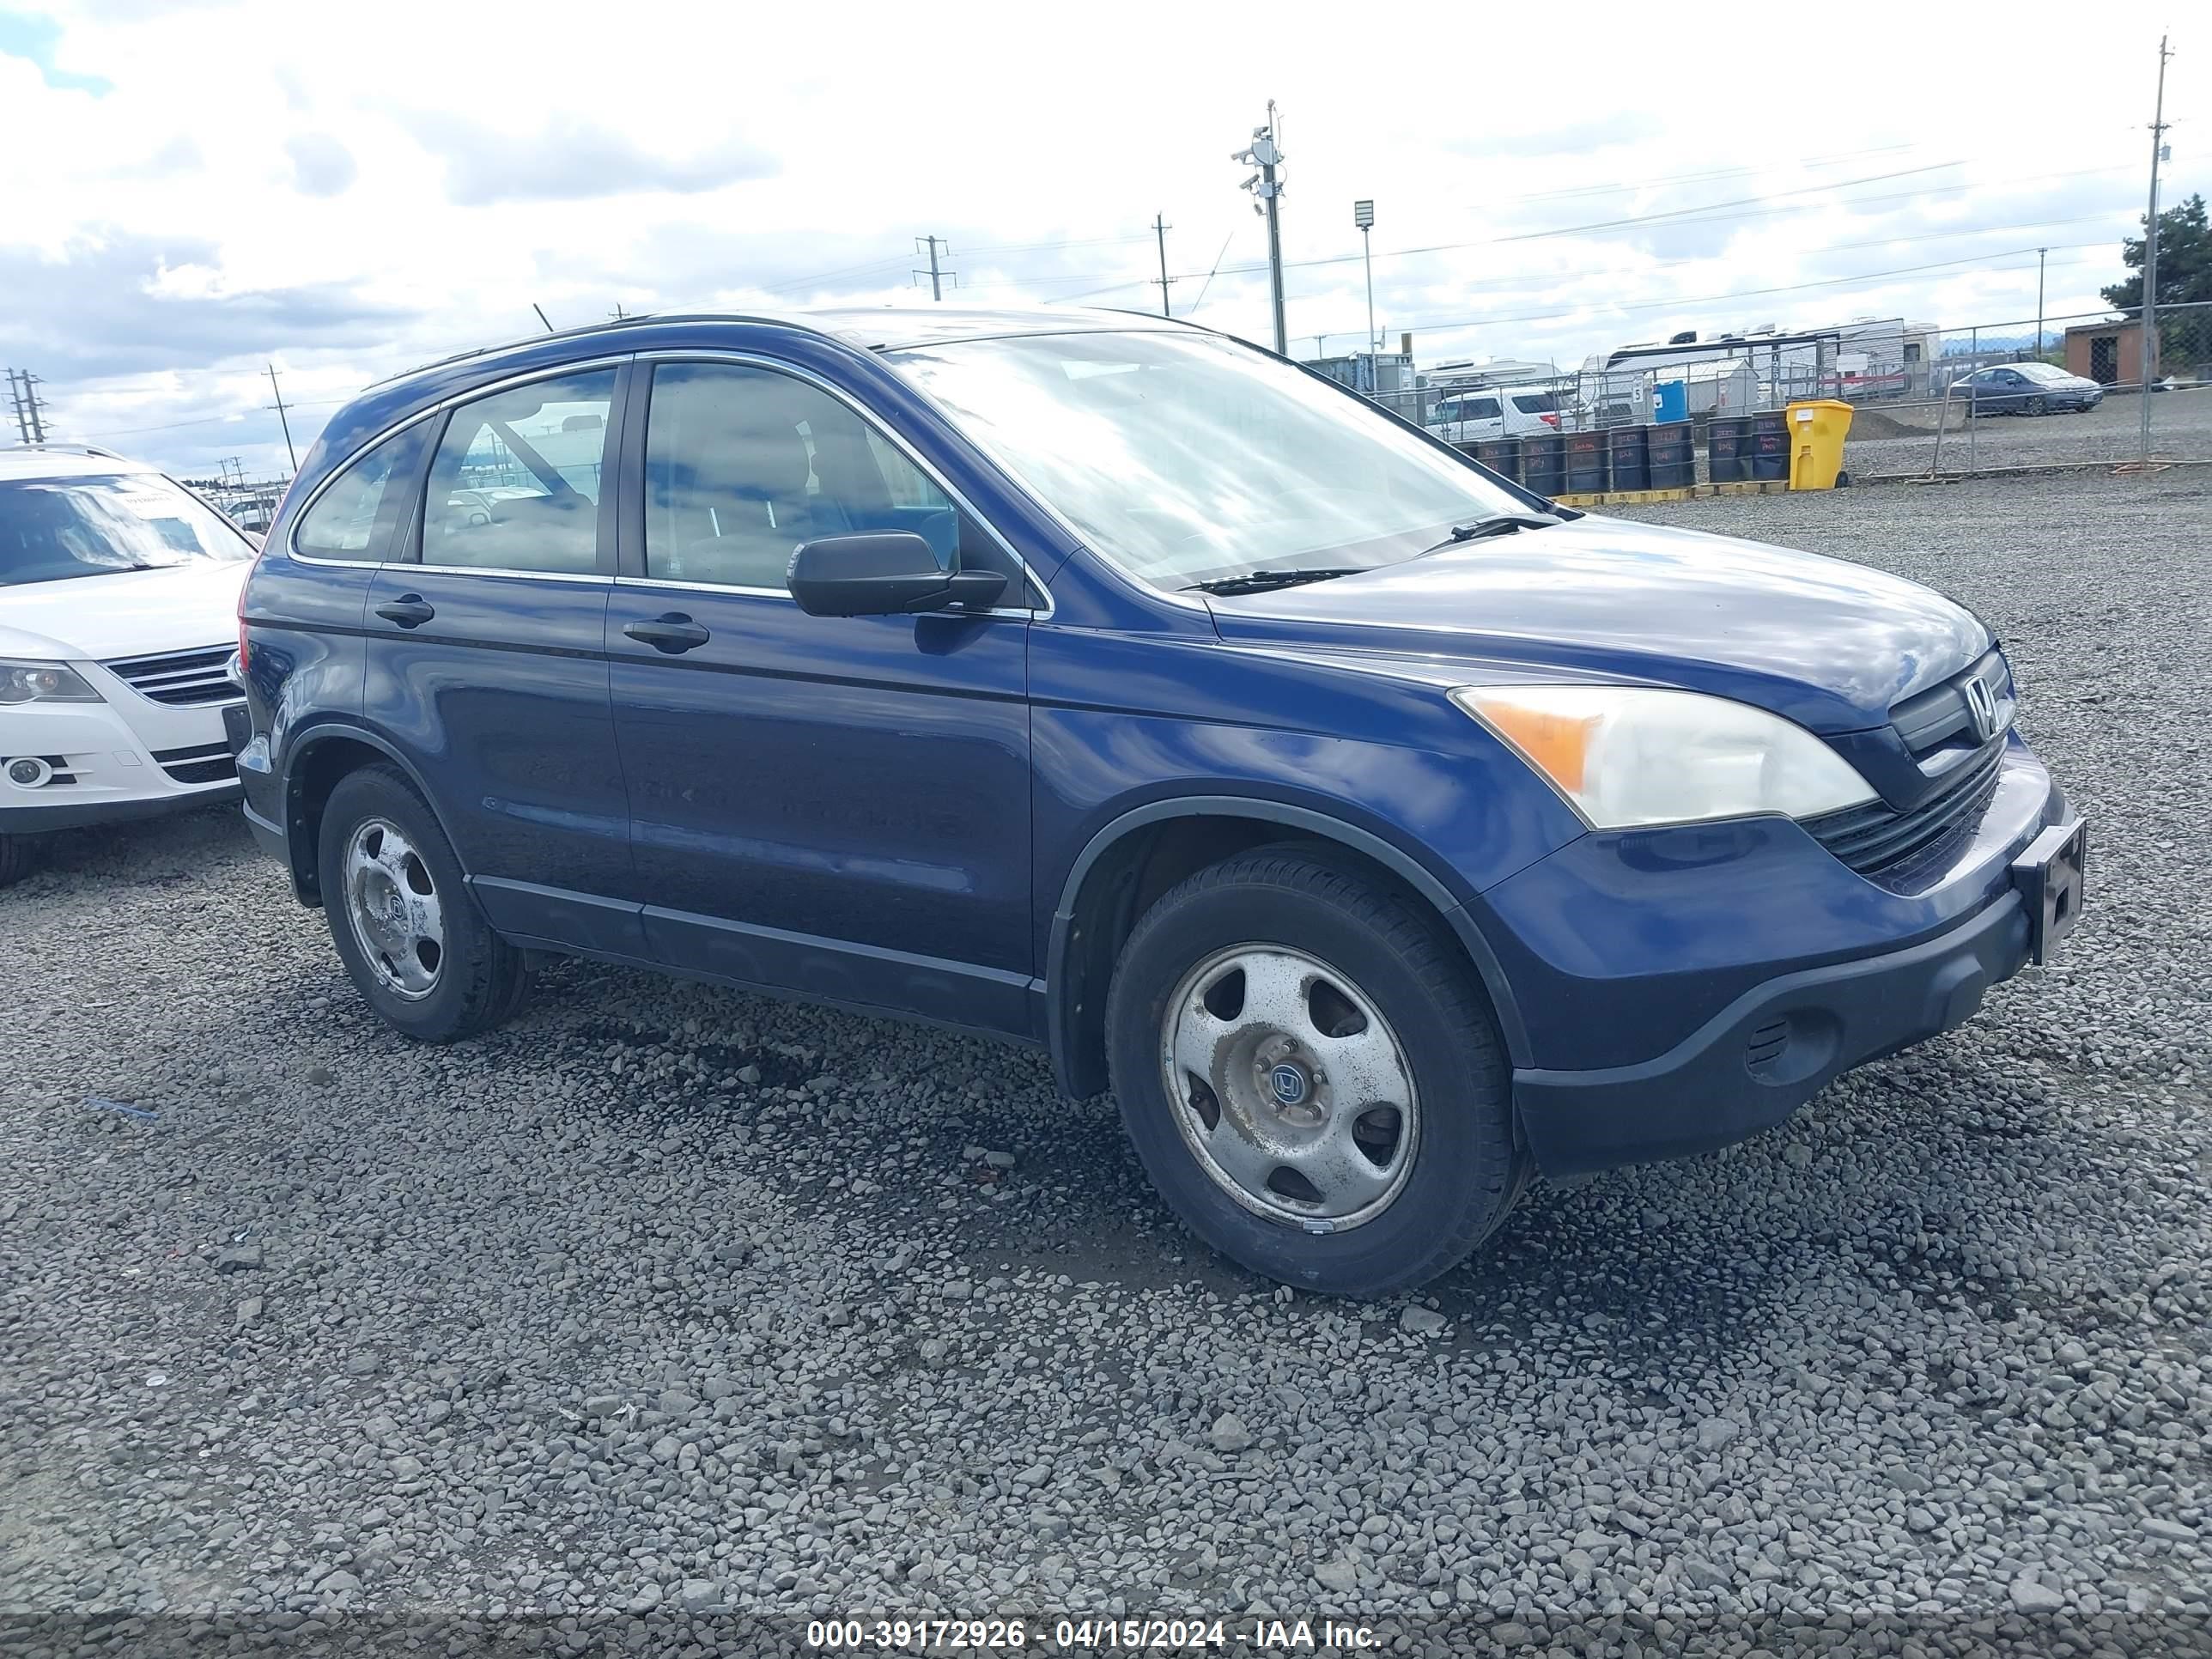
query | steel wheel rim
[393, 908]
[1290, 1089]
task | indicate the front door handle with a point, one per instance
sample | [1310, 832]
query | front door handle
[408, 610]
[671, 633]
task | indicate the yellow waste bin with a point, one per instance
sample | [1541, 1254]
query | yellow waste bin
[1817, 429]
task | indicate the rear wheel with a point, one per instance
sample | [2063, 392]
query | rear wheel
[18, 855]
[1311, 1075]
[404, 923]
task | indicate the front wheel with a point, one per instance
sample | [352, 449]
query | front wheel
[404, 923]
[2035, 406]
[1311, 1075]
[15, 859]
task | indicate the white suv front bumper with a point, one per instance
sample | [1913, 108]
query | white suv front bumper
[137, 755]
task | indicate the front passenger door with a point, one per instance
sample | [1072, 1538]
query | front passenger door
[834, 805]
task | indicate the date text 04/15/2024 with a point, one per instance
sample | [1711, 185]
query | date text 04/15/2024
[1088, 1635]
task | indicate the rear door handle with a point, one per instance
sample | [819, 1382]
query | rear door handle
[671, 633]
[408, 610]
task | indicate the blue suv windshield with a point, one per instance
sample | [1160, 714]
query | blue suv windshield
[1187, 457]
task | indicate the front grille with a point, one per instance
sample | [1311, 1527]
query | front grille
[203, 762]
[1940, 718]
[179, 676]
[1877, 836]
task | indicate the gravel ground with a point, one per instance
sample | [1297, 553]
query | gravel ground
[666, 1300]
[2181, 429]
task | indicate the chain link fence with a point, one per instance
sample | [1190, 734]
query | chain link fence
[1991, 397]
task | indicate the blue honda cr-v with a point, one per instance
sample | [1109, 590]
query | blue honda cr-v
[1376, 830]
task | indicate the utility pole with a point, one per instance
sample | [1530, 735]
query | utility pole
[22, 418]
[2039, 252]
[1267, 184]
[1362, 215]
[279, 407]
[936, 275]
[1160, 228]
[2147, 344]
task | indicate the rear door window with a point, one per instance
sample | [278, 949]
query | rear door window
[515, 483]
[1537, 403]
[354, 518]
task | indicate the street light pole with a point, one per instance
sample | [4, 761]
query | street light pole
[1362, 215]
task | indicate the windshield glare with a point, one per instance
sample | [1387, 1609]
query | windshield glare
[1186, 457]
[52, 529]
[2041, 372]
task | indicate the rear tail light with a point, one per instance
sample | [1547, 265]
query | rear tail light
[1549, 420]
[242, 623]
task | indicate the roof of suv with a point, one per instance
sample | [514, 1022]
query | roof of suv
[63, 461]
[874, 328]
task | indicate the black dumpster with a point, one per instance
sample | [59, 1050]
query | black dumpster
[1674, 462]
[1543, 462]
[1501, 455]
[1727, 448]
[1769, 446]
[1628, 457]
[1585, 463]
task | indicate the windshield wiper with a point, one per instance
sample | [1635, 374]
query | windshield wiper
[1503, 523]
[1261, 581]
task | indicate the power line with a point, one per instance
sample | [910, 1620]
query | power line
[1435, 325]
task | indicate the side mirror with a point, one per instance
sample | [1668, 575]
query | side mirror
[884, 573]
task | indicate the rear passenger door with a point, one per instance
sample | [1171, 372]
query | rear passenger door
[487, 658]
[834, 805]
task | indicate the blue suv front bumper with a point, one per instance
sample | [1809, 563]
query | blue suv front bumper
[1685, 988]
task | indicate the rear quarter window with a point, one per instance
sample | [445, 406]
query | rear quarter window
[353, 517]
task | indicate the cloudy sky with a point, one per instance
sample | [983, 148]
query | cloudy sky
[195, 190]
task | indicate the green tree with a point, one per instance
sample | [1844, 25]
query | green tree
[2184, 260]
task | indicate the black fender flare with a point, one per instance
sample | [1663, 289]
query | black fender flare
[1385, 852]
[301, 741]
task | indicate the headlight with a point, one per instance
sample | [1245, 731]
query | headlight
[1626, 756]
[43, 682]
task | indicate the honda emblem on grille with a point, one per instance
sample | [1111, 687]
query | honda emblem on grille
[1982, 705]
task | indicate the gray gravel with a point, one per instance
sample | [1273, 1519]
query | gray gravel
[666, 1300]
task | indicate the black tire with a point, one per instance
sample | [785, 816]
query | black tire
[2034, 406]
[18, 855]
[1467, 1170]
[481, 981]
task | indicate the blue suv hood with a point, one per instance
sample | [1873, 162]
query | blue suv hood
[1829, 644]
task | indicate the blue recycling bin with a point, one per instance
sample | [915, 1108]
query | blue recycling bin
[1670, 401]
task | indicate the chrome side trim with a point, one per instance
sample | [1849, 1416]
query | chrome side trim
[501, 571]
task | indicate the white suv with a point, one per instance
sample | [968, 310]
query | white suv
[1494, 412]
[118, 613]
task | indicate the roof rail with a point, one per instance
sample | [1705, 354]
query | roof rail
[74, 449]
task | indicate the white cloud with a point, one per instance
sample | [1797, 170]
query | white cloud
[366, 191]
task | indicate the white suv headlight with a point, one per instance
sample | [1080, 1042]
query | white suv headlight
[1625, 756]
[43, 682]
